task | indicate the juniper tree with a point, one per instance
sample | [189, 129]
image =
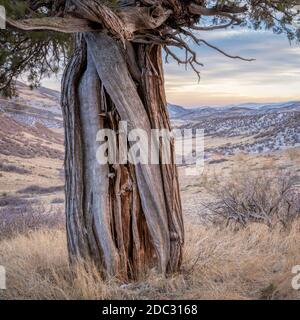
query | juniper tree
[125, 218]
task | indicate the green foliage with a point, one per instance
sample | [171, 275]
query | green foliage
[15, 9]
[20, 9]
[277, 16]
[34, 54]
[274, 15]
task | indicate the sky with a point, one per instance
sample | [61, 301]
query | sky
[273, 77]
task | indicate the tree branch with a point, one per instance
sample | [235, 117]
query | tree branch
[65, 25]
[198, 41]
[211, 28]
[203, 11]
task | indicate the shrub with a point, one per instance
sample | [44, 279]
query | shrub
[13, 201]
[12, 168]
[57, 201]
[35, 189]
[268, 197]
[217, 161]
[21, 220]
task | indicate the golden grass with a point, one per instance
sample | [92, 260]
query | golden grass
[252, 263]
[293, 154]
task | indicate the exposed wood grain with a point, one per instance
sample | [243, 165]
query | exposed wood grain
[112, 70]
[65, 25]
[153, 94]
[118, 215]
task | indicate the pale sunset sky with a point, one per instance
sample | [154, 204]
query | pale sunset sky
[273, 77]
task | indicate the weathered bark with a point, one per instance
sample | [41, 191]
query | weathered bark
[124, 218]
[153, 95]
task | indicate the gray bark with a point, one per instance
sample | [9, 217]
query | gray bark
[123, 218]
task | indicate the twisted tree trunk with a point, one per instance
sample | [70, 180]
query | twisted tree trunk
[124, 218]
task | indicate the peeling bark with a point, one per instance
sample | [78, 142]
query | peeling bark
[124, 218]
[153, 93]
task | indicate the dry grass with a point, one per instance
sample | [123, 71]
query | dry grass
[28, 217]
[252, 263]
[293, 154]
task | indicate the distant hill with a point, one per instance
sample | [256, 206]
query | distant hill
[247, 127]
[40, 105]
[182, 113]
[176, 111]
[250, 128]
[31, 124]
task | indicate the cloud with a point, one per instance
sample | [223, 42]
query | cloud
[274, 76]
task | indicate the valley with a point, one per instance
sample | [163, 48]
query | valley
[250, 136]
[243, 147]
